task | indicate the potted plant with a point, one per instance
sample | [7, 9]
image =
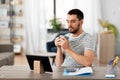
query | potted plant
[109, 26]
[56, 24]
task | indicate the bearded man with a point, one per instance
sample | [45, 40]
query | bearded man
[77, 49]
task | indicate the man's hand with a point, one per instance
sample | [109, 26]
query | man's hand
[57, 42]
[64, 42]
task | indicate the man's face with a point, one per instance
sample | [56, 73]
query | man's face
[74, 24]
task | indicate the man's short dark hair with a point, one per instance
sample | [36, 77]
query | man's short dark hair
[77, 12]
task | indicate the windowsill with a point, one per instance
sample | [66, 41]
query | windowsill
[51, 30]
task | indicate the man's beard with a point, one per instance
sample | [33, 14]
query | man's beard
[75, 30]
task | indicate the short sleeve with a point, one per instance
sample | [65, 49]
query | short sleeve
[89, 43]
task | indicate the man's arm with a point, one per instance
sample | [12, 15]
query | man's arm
[85, 59]
[59, 57]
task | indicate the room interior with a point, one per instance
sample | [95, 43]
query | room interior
[33, 30]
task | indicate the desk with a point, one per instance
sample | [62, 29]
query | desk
[24, 73]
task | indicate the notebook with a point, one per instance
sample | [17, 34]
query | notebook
[84, 71]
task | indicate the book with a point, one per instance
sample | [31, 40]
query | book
[84, 71]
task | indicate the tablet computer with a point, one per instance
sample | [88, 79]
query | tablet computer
[43, 59]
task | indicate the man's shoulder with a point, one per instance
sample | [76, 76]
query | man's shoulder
[88, 35]
[85, 37]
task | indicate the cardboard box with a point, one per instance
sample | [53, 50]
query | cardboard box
[107, 47]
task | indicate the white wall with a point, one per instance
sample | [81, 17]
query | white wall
[111, 12]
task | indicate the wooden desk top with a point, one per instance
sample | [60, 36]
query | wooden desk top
[24, 73]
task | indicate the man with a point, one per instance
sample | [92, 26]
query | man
[78, 50]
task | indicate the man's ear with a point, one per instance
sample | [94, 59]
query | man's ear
[81, 21]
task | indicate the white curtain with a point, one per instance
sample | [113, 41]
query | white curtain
[97, 15]
[34, 12]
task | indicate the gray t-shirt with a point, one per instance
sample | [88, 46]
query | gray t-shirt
[78, 44]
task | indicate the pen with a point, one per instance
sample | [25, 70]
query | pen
[115, 62]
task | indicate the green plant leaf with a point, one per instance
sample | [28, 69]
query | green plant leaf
[113, 28]
[109, 26]
[56, 25]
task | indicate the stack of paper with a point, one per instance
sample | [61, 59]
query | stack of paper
[85, 71]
